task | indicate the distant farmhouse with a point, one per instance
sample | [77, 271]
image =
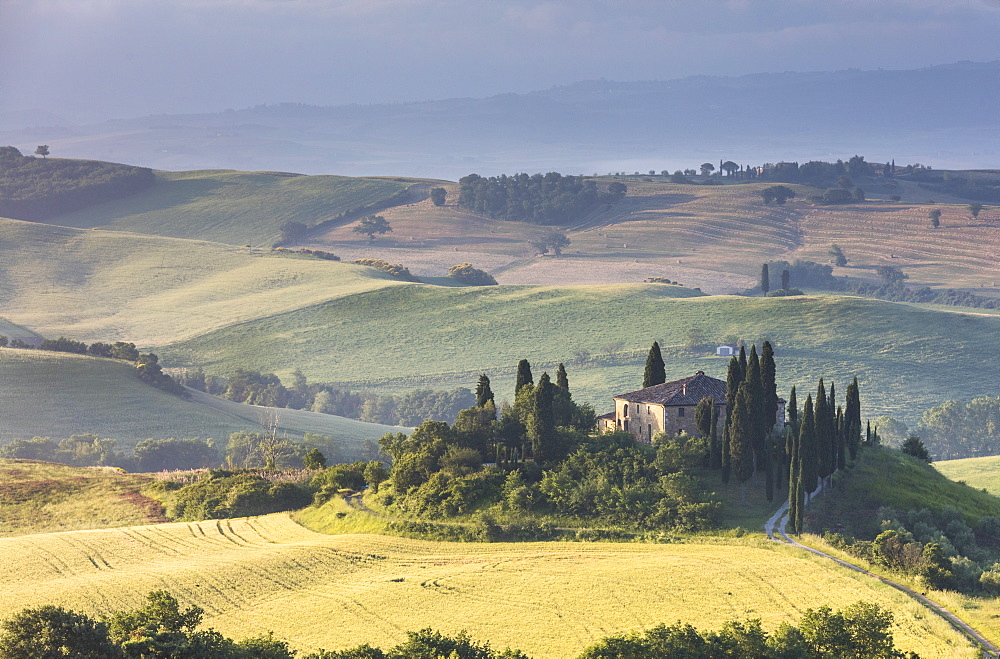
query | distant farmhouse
[669, 408]
[727, 350]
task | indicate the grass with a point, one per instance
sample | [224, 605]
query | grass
[41, 497]
[906, 358]
[548, 599]
[233, 207]
[115, 286]
[886, 477]
[57, 395]
[980, 473]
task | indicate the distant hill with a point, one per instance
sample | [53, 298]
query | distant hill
[57, 395]
[976, 472]
[943, 116]
[236, 207]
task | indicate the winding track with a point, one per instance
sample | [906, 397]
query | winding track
[775, 529]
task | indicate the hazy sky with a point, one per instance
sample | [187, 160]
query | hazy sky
[90, 59]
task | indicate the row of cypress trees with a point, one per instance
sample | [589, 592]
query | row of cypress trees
[818, 444]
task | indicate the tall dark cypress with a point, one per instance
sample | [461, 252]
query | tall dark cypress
[741, 434]
[734, 376]
[743, 359]
[821, 432]
[483, 391]
[755, 410]
[726, 462]
[655, 372]
[841, 439]
[808, 471]
[768, 373]
[792, 411]
[562, 381]
[523, 375]
[831, 418]
[852, 417]
[765, 279]
[785, 277]
[715, 459]
[542, 427]
[792, 442]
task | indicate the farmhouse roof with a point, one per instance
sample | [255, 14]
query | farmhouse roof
[686, 391]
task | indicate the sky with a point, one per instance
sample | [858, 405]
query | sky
[89, 60]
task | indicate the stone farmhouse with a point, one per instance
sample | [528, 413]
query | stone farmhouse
[669, 408]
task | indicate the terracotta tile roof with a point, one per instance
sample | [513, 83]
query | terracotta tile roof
[686, 391]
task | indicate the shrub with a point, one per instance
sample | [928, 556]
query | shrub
[466, 274]
[393, 269]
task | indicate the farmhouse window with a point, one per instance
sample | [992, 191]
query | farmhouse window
[680, 411]
[626, 425]
[649, 431]
[626, 409]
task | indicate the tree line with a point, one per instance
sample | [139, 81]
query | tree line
[37, 189]
[266, 389]
[162, 628]
[549, 199]
[147, 366]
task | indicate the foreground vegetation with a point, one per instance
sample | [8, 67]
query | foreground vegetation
[162, 627]
[547, 599]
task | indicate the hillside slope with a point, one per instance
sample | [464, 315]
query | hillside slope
[982, 473]
[547, 599]
[57, 395]
[111, 286]
[906, 358]
[233, 207]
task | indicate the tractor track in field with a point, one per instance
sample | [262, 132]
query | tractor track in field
[775, 528]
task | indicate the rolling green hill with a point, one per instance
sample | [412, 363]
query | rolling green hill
[981, 473]
[111, 285]
[233, 207]
[57, 395]
[334, 591]
[906, 358]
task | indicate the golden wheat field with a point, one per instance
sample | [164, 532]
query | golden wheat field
[548, 599]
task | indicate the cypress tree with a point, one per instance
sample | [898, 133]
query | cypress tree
[765, 280]
[792, 411]
[852, 417]
[542, 427]
[655, 372]
[483, 391]
[768, 373]
[562, 381]
[703, 416]
[741, 438]
[743, 360]
[868, 434]
[785, 277]
[726, 462]
[808, 472]
[831, 413]
[792, 470]
[523, 375]
[821, 433]
[755, 410]
[733, 379]
[841, 439]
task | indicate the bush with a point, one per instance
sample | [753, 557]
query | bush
[785, 292]
[393, 269]
[223, 494]
[466, 274]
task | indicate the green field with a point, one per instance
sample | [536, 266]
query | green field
[115, 286]
[906, 358]
[41, 497]
[57, 395]
[981, 473]
[548, 599]
[233, 207]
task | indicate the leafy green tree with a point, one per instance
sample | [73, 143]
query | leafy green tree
[51, 631]
[314, 459]
[293, 232]
[523, 375]
[703, 415]
[484, 392]
[551, 240]
[912, 445]
[655, 372]
[730, 168]
[42, 150]
[373, 224]
[935, 216]
[975, 208]
[707, 168]
[438, 196]
[890, 276]
[779, 194]
[765, 280]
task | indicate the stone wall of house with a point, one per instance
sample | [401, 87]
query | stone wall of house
[644, 420]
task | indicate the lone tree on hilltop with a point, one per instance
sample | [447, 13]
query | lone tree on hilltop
[42, 150]
[974, 208]
[655, 372]
[935, 216]
[707, 168]
[373, 224]
[730, 168]
[438, 196]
